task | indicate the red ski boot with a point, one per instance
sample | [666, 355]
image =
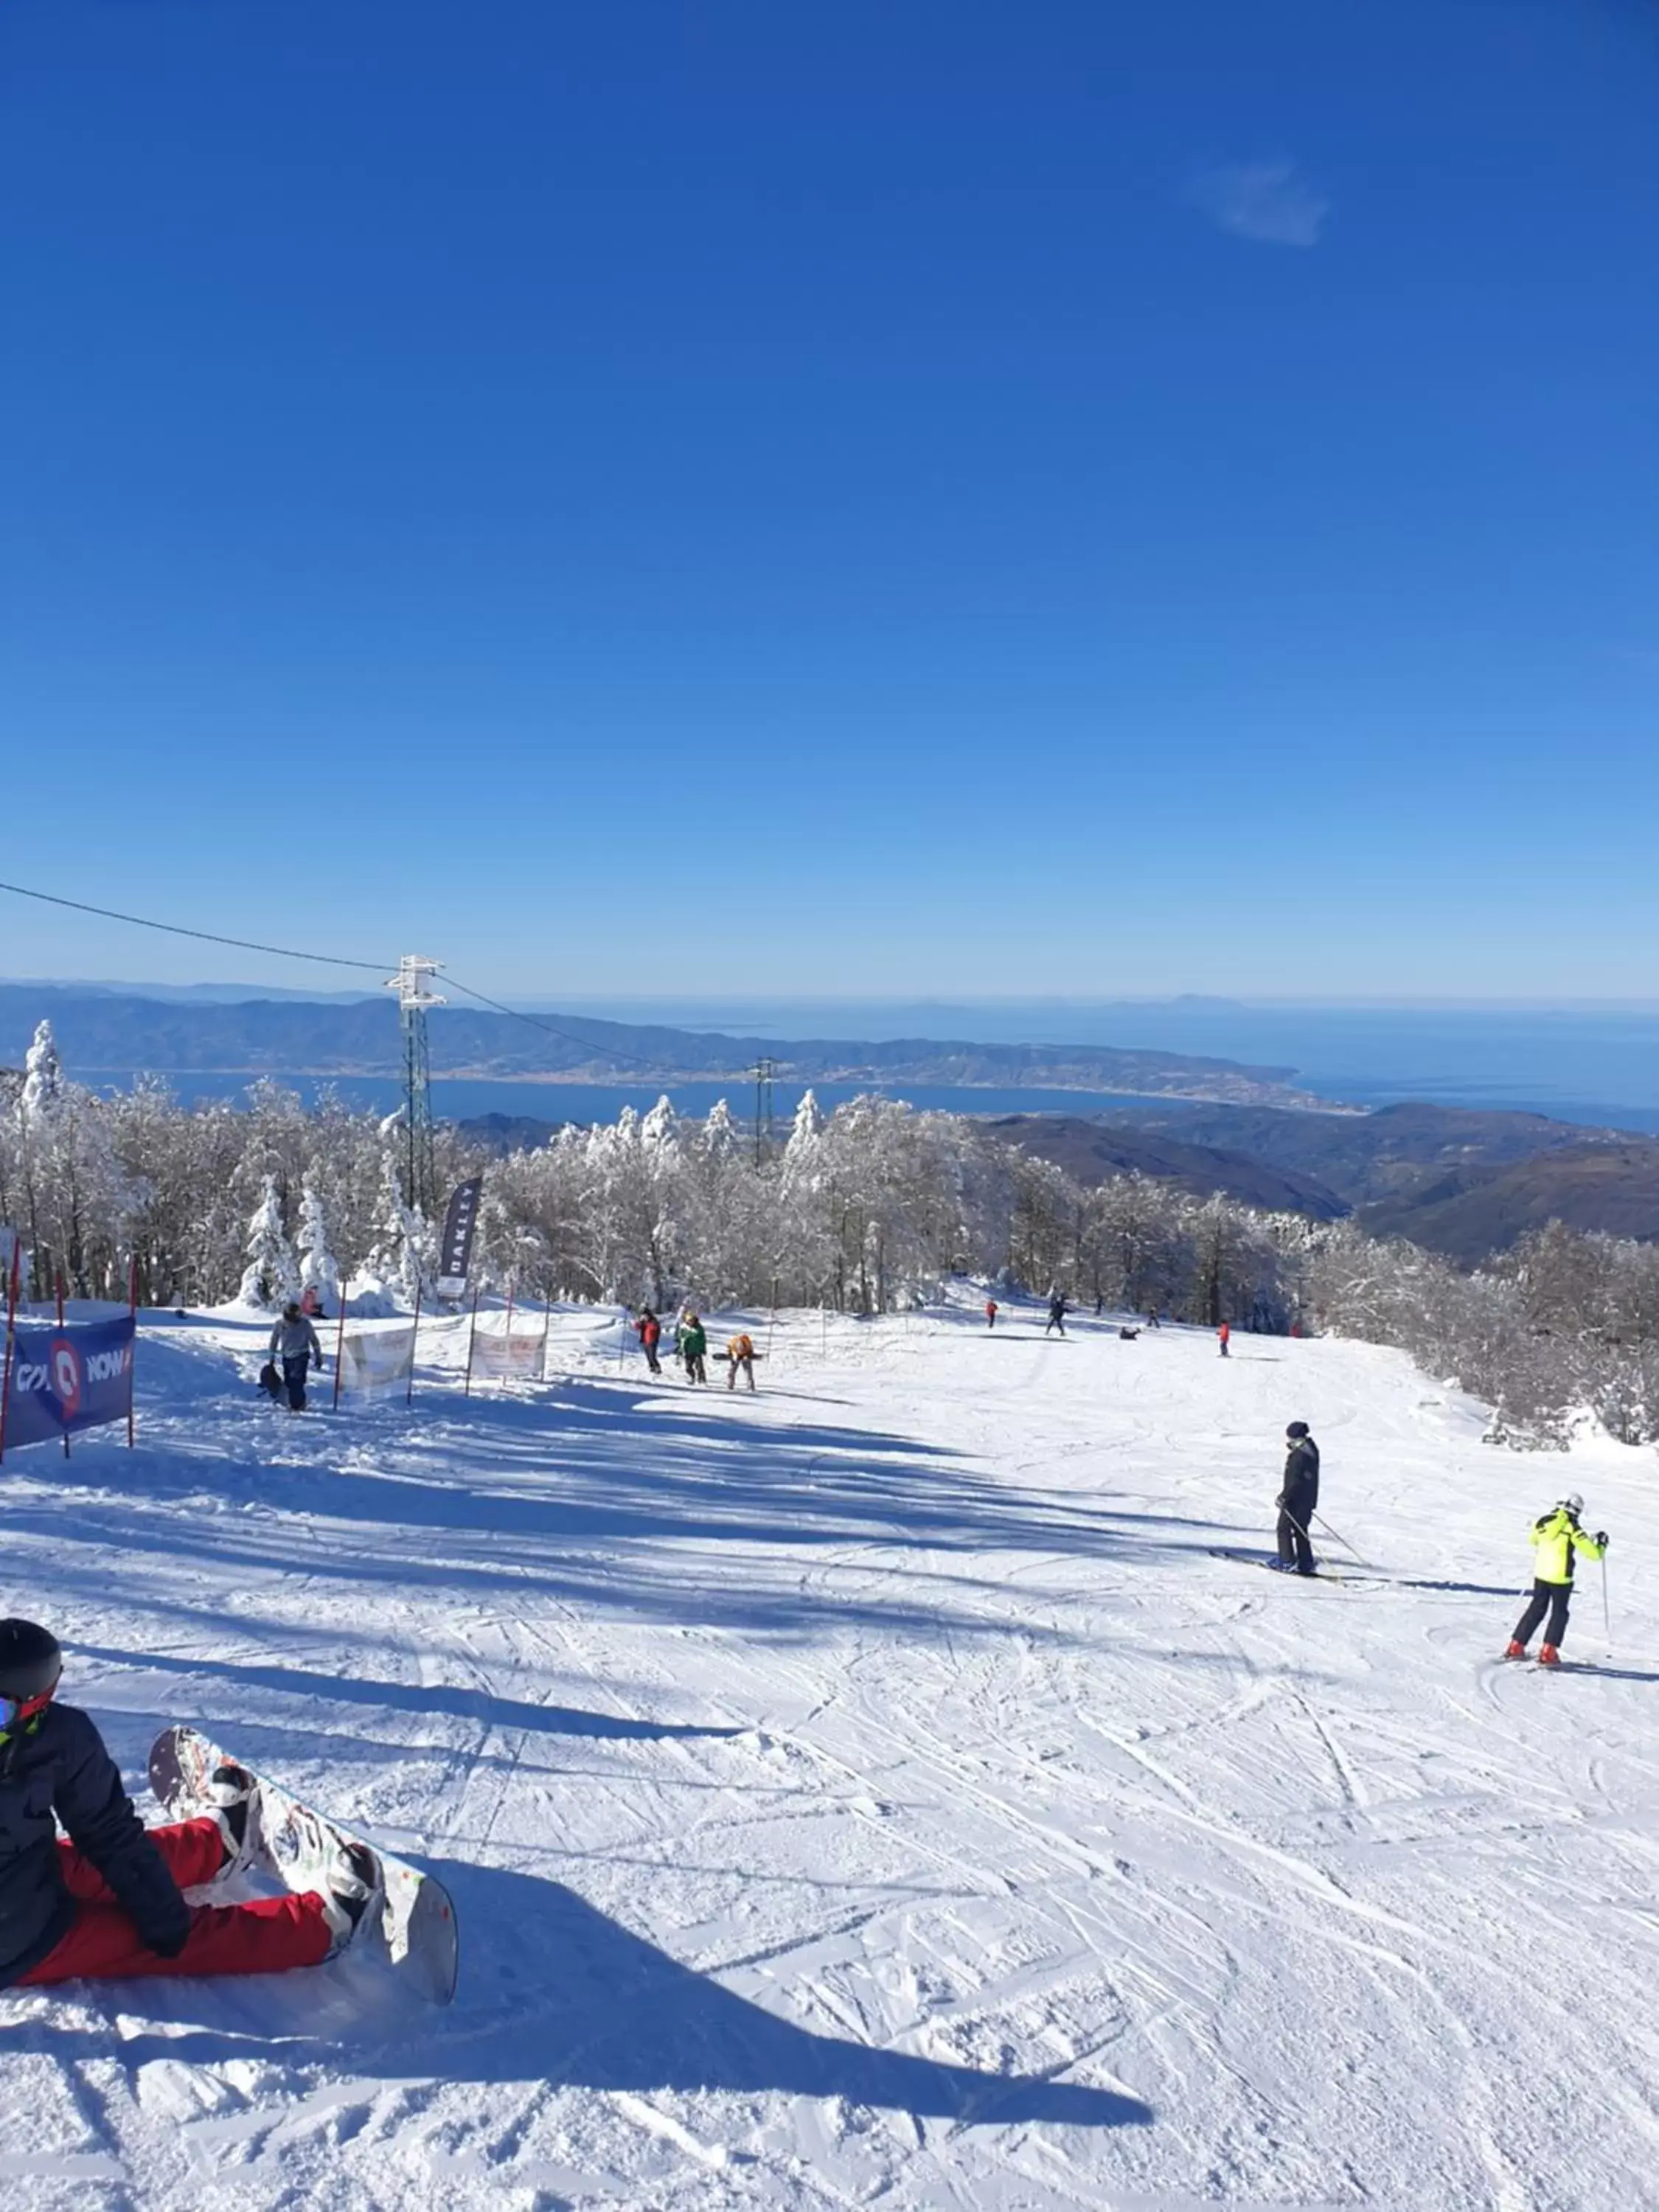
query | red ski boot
[1549, 1655]
[1516, 1651]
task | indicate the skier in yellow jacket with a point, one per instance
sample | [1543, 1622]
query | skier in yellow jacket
[1556, 1537]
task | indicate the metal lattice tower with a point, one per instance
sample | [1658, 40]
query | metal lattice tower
[420, 1172]
[765, 1074]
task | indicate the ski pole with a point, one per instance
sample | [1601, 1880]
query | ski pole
[1606, 1611]
[1341, 1540]
[1308, 1539]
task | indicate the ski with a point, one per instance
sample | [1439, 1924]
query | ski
[1270, 1566]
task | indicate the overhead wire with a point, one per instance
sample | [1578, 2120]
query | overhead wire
[205, 936]
[327, 959]
[587, 1044]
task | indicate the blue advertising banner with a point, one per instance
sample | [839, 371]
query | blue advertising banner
[77, 1376]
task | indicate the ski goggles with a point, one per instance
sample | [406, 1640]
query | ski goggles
[17, 1712]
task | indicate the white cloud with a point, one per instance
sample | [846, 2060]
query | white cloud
[1263, 200]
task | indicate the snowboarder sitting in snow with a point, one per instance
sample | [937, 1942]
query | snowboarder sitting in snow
[693, 1344]
[740, 1352]
[293, 1341]
[1298, 1496]
[1556, 1535]
[108, 1901]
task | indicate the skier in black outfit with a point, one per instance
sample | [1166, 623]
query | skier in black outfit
[1298, 1498]
[1056, 1313]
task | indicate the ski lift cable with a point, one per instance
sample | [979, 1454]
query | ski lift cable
[328, 959]
[584, 1044]
[206, 936]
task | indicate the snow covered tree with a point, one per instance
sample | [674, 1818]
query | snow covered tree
[271, 1277]
[319, 1270]
[405, 1251]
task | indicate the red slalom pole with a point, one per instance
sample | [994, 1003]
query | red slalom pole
[339, 1347]
[132, 1316]
[60, 1327]
[415, 1345]
[11, 1323]
[472, 1338]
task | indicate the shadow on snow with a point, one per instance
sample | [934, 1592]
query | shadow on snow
[574, 2001]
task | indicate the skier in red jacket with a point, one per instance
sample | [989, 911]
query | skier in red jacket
[649, 1329]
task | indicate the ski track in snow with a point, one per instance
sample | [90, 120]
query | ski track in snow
[873, 1792]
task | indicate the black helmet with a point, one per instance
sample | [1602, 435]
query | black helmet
[1297, 1429]
[30, 1663]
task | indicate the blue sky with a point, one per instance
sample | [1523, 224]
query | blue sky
[838, 499]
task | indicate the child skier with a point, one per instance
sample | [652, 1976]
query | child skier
[990, 1313]
[108, 1901]
[740, 1353]
[1556, 1535]
[692, 1345]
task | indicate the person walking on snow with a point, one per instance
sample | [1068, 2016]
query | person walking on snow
[1297, 1500]
[740, 1352]
[649, 1329]
[293, 1341]
[692, 1344]
[1056, 1313]
[990, 1313]
[1556, 1536]
[108, 1902]
[1223, 1337]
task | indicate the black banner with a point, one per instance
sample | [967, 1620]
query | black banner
[456, 1252]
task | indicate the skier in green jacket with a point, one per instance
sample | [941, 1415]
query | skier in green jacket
[1556, 1537]
[692, 1343]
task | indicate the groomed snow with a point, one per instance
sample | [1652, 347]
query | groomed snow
[873, 1793]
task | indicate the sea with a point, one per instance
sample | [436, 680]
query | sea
[1595, 1065]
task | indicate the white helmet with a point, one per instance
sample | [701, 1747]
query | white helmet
[1575, 1503]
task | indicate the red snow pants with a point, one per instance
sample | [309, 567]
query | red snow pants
[263, 1936]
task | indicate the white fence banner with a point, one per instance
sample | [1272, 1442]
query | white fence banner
[376, 1362]
[513, 1359]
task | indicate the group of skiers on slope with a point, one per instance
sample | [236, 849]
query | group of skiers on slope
[691, 1347]
[1559, 1541]
[109, 1900]
[1058, 1310]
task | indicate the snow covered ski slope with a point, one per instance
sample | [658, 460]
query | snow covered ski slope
[875, 1792]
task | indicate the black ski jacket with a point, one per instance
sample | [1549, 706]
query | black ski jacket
[57, 1764]
[1300, 1492]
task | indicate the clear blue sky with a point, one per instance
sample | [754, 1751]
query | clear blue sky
[844, 498]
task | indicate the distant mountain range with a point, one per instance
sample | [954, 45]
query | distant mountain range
[1463, 1182]
[106, 1034]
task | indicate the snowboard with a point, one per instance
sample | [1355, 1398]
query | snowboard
[294, 1844]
